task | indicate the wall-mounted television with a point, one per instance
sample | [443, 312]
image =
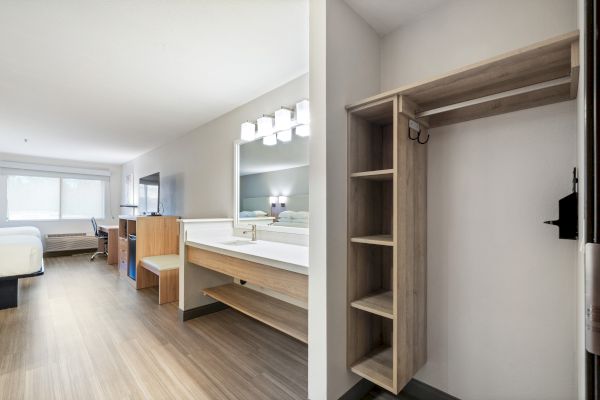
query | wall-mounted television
[149, 194]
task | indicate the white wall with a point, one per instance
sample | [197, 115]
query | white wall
[349, 72]
[501, 286]
[196, 170]
[64, 226]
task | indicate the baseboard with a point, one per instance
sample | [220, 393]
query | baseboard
[192, 313]
[358, 391]
[414, 390]
[418, 390]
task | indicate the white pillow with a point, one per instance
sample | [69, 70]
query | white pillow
[260, 213]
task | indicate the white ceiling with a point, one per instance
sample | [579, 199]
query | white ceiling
[256, 158]
[107, 80]
[385, 16]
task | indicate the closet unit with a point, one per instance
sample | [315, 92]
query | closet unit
[387, 198]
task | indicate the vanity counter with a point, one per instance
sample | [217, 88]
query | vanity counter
[289, 257]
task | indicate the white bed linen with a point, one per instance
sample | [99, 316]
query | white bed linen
[21, 230]
[20, 254]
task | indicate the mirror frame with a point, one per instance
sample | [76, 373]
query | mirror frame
[237, 224]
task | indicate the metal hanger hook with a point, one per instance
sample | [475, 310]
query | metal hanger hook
[419, 138]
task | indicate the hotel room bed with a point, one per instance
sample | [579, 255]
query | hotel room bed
[21, 256]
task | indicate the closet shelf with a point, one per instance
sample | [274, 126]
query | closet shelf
[379, 175]
[283, 316]
[377, 367]
[543, 73]
[379, 240]
[380, 303]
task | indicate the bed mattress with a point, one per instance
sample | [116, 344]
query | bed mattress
[21, 230]
[20, 254]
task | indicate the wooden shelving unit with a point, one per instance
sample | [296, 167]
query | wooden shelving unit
[380, 175]
[283, 316]
[377, 367]
[387, 181]
[379, 240]
[380, 303]
[386, 250]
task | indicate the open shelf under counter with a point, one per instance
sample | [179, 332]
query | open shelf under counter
[377, 367]
[378, 175]
[378, 303]
[379, 240]
[285, 317]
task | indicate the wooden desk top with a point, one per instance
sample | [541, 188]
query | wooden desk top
[107, 228]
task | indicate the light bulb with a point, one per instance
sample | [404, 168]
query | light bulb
[265, 126]
[248, 131]
[283, 119]
[303, 130]
[303, 112]
[270, 140]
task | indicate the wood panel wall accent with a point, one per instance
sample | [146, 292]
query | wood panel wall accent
[286, 282]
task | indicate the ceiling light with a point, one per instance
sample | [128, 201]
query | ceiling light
[270, 140]
[303, 130]
[283, 119]
[285, 136]
[265, 126]
[248, 131]
[303, 112]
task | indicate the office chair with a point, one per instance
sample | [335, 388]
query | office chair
[101, 236]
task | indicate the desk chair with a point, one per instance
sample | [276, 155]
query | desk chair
[103, 236]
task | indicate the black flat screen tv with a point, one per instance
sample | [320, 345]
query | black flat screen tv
[149, 194]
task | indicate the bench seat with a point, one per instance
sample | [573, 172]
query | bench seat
[166, 268]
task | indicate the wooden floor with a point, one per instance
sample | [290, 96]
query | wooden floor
[82, 332]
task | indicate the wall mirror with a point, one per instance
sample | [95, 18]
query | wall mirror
[271, 185]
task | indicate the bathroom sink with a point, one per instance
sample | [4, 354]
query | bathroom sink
[238, 242]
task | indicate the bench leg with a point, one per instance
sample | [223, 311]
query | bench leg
[9, 293]
[168, 286]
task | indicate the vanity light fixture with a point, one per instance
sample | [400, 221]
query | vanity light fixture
[273, 201]
[285, 136]
[283, 119]
[265, 126]
[248, 131]
[303, 130]
[271, 129]
[270, 140]
[303, 112]
[282, 200]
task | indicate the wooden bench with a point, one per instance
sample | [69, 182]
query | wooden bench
[166, 268]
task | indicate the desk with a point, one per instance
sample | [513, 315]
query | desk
[113, 242]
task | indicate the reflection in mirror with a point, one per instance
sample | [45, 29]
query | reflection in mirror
[273, 183]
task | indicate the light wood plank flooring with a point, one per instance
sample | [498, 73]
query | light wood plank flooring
[82, 332]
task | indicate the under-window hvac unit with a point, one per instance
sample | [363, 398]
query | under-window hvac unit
[70, 241]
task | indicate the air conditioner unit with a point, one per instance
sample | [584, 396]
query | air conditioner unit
[70, 241]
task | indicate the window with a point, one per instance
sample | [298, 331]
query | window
[33, 197]
[41, 197]
[82, 198]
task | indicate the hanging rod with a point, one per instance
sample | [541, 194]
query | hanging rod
[559, 83]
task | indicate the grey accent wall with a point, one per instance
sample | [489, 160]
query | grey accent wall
[285, 182]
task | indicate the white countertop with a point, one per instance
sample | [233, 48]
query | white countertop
[286, 256]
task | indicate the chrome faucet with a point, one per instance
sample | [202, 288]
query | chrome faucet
[253, 231]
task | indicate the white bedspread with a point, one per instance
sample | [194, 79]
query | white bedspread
[21, 230]
[20, 254]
